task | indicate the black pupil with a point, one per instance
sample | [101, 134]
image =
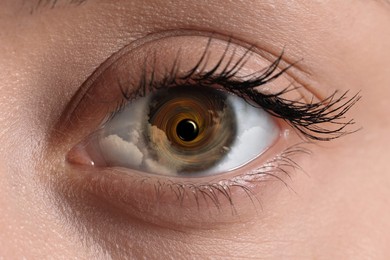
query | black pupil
[187, 130]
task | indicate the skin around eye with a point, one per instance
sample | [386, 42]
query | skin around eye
[339, 210]
[189, 131]
[127, 90]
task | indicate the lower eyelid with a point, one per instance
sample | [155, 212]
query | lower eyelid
[191, 202]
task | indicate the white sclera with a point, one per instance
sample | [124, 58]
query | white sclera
[256, 131]
[122, 143]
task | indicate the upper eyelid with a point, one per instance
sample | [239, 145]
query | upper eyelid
[300, 71]
[138, 43]
[111, 64]
[307, 118]
[198, 74]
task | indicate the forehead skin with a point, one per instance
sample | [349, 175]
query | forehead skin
[340, 211]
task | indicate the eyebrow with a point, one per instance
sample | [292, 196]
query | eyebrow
[51, 4]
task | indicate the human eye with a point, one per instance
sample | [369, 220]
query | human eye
[180, 125]
[187, 131]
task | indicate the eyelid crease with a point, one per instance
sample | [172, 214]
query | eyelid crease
[307, 118]
[51, 4]
[310, 111]
[136, 43]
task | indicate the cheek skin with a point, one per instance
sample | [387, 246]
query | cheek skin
[338, 210]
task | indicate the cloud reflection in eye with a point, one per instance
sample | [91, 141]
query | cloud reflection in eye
[184, 131]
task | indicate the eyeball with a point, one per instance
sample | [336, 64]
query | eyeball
[183, 131]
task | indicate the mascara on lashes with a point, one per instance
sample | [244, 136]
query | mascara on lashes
[322, 120]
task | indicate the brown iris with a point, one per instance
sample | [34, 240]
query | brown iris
[190, 129]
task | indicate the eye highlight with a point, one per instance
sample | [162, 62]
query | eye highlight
[189, 131]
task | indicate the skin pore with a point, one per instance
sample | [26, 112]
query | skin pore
[336, 207]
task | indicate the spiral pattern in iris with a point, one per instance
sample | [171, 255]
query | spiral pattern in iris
[190, 129]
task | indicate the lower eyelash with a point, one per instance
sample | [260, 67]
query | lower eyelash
[278, 168]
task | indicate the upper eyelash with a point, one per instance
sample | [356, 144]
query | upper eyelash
[307, 118]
